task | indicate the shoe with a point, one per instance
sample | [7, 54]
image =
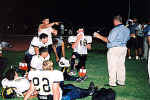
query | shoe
[120, 84]
[85, 77]
[110, 85]
[91, 88]
[141, 59]
[72, 73]
[137, 57]
[129, 57]
[79, 79]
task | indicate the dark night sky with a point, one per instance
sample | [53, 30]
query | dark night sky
[75, 11]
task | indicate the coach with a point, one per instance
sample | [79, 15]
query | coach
[116, 44]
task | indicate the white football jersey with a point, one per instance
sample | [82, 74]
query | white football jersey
[47, 31]
[37, 61]
[72, 39]
[36, 42]
[81, 47]
[43, 80]
[21, 84]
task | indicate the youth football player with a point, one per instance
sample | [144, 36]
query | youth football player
[36, 43]
[46, 27]
[37, 60]
[48, 83]
[19, 84]
[80, 51]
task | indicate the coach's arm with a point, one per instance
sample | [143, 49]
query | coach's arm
[105, 39]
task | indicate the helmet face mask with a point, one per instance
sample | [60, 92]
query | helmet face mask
[8, 93]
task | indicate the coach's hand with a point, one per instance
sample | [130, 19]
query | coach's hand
[56, 23]
[96, 35]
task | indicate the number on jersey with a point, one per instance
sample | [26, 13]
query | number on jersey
[83, 42]
[41, 85]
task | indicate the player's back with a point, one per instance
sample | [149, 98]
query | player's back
[43, 80]
[17, 83]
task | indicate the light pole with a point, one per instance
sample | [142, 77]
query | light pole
[62, 29]
[129, 12]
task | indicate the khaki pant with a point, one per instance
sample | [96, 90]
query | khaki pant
[145, 48]
[149, 63]
[116, 65]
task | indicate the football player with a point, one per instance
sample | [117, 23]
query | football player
[80, 50]
[46, 27]
[19, 84]
[71, 92]
[48, 83]
[37, 60]
[36, 43]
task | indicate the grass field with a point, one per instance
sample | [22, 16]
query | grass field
[136, 88]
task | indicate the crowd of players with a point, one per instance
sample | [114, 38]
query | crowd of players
[42, 80]
[46, 83]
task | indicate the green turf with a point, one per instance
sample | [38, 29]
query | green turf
[136, 88]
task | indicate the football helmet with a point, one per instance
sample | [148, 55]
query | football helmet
[64, 62]
[8, 93]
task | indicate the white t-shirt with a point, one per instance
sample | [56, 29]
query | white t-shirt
[37, 61]
[47, 31]
[81, 47]
[43, 80]
[36, 42]
[21, 84]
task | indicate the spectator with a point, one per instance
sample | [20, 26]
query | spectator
[140, 39]
[145, 31]
[133, 42]
[148, 38]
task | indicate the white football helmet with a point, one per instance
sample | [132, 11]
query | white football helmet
[64, 62]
